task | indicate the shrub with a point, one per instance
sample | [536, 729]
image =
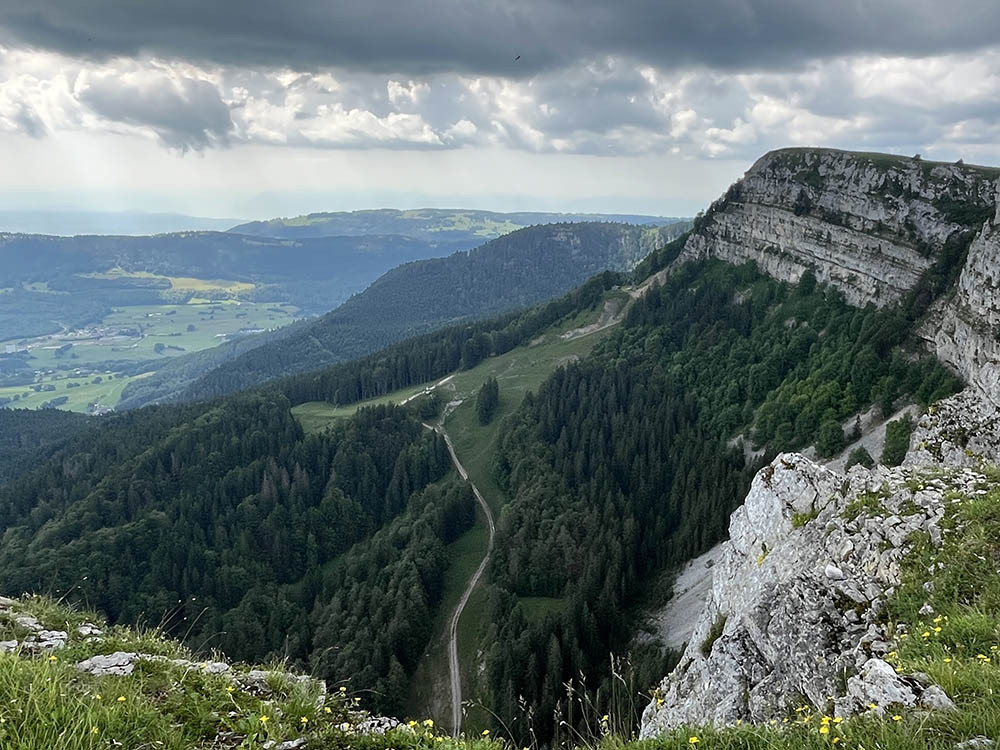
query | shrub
[897, 441]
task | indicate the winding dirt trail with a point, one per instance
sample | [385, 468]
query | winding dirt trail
[453, 666]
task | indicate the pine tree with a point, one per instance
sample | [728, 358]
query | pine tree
[488, 400]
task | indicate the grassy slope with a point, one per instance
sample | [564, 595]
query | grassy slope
[47, 704]
[317, 415]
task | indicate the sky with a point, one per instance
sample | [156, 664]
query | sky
[256, 109]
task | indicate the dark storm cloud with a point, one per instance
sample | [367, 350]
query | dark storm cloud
[484, 36]
[185, 113]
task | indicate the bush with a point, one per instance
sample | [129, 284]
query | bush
[831, 438]
[860, 456]
[714, 633]
[897, 441]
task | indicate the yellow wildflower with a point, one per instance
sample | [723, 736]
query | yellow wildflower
[824, 729]
[486, 733]
[693, 740]
[897, 717]
[304, 720]
[264, 719]
[121, 698]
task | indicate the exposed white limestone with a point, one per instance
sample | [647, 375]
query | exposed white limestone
[964, 329]
[793, 613]
[869, 225]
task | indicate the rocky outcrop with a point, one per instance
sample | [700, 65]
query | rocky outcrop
[964, 328]
[794, 611]
[963, 430]
[870, 224]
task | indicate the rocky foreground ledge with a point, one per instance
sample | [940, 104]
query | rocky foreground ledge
[829, 582]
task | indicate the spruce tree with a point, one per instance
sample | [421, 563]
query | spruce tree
[488, 400]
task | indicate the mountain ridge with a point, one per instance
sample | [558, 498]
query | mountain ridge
[510, 272]
[427, 223]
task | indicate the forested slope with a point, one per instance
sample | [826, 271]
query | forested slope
[24, 435]
[624, 465]
[513, 271]
[620, 466]
[240, 532]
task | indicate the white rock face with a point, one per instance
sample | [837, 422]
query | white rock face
[868, 225]
[796, 594]
[964, 330]
[793, 613]
[962, 430]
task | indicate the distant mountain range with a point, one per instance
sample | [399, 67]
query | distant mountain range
[58, 285]
[512, 271]
[91, 274]
[433, 224]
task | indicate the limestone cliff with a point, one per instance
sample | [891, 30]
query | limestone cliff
[964, 328]
[870, 224]
[796, 612]
[798, 594]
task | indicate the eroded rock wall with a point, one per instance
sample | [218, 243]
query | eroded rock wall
[793, 614]
[964, 329]
[869, 224]
[794, 610]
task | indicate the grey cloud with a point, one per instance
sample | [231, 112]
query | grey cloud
[29, 122]
[421, 37]
[186, 114]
